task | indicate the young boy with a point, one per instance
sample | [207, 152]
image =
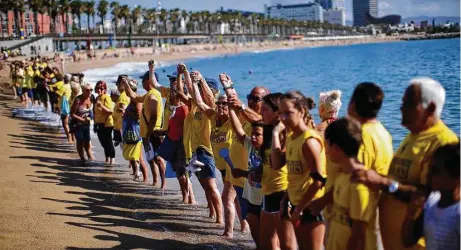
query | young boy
[440, 217]
[354, 205]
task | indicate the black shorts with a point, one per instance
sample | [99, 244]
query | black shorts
[271, 202]
[156, 141]
[254, 209]
[42, 94]
[307, 217]
[223, 174]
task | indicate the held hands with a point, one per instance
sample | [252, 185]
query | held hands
[225, 80]
[368, 177]
[234, 102]
[418, 199]
[296, 217]
[196, 76]
[181, 68]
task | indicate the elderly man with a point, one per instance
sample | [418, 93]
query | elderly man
[421, 110]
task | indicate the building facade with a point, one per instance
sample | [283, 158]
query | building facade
[31, 24]
[326, 4]
[299, 12]
[338, 5]
[360, 8]
[335, 16]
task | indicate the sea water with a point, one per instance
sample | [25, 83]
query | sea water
[312, 70]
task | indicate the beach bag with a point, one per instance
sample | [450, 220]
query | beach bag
[132, 152]
[65, 108]
[169, 172]
[131, 132]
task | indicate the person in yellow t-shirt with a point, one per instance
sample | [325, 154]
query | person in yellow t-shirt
[305, 160]
[150, 120]
[200, 139]
[119, 109]
[103, 121]
[63, 106]
[421, 111]
[352, 224]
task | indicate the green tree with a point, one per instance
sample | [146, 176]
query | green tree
[135, 15]
[89, 11]
[116, 13]
[151, 16]
[125, 13]
[77, 8]
[64, 7]
[103, 7]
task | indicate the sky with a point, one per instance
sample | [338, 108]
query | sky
[405, 8]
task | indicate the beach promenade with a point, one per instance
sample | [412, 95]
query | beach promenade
[49, 202]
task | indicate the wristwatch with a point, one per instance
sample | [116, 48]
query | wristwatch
[243, 107]
[393, 187]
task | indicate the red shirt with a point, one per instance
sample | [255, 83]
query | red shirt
[176, 123]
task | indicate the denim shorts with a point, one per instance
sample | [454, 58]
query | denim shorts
[243, 202]
[209, 170]
[82, 133]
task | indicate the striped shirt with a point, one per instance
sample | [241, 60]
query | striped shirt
[441, 225]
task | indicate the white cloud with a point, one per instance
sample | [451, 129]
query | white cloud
[385, 5]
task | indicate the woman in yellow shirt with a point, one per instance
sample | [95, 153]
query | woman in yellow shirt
[103, 121]
[274, 232]
[305, 159]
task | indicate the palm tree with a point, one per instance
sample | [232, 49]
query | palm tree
[4, 8]
[125, 13]
[102, 12]
[64, 9]
[151, 16]
[174, 19]
[77, 9]
[163, 18]
[89, 11]
[18, 9]
[136, 14]
[116, 11]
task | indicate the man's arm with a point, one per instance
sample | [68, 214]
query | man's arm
[152, 102]
[237, 126]
[413, 225]
[208, 96]
[130, 93]
[188, 82]
[209, 112]
[248, 114]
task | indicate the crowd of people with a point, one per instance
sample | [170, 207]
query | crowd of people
[292, 183]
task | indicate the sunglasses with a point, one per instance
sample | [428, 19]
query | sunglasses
[254, 98]
[221, 103]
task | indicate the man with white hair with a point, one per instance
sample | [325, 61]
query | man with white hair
[410, 168]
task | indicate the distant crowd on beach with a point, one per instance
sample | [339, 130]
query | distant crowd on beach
[292, 182]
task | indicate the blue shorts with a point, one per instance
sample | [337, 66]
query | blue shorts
[209, 170]
[82, 133]
[168, 149]
[243, 202]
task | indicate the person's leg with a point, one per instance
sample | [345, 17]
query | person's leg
[243, 207]
[87, 141]
[162, 169]
[286, 233]
[100, 135]
[310, 235]
[254, 212]
[109, 144]
[80, 150]
[268, 234]
[209, 185]
[228, 197]
[65, 125]
[143, 168]
[190, 191]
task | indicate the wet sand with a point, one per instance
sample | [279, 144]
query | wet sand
[49, 202]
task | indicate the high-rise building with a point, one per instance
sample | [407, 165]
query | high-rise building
[338, 5]
[326, 4]
[299, 12]
[360, 8]
[335, 16]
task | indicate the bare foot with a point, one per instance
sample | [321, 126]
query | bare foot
[212, 215]
[220, 221]
[228, 235]
[245, 228]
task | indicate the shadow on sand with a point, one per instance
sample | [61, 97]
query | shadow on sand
[111, 200]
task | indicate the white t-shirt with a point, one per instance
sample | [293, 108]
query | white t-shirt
[441, 225]
[251, 193]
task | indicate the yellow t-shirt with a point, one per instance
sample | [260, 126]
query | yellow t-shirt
[351, 201]
[299, 178]
[58, 88]
[30, 77]
[200, 129]
[102, 117]
[333, 169]
[411, 164]
[66, 92]
[123, 99]
[376, 150]
[273, 180]
[146, 112]
[221, 137]
[166, 111]
[239, 156]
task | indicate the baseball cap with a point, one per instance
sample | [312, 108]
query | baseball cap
[212, 83]
[119, 78]
[146, 76]
[172, 75]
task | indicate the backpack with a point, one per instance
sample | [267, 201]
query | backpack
[131, 131]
